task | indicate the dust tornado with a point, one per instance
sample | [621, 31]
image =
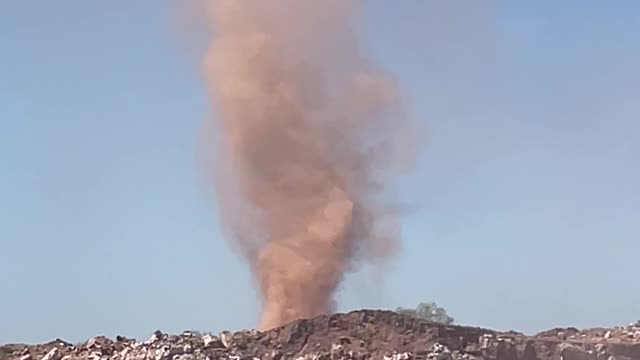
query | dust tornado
[310, 134]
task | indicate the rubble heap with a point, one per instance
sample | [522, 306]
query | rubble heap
[365, 334]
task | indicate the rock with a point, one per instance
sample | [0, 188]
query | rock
[157, 336]
[439, 352]
[209, 340]
[92, 343]
[26, 357]
[53, 354]
[401, 356]
[162, 353]
[226, 338]
[359, 335]
[184, 357]
[176, 350]
[64, 343]
[574, 353]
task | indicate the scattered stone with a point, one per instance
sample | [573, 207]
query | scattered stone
[209, 339]
[360, 335]
[53, 354]
[97, 342]
[401, 356]
[226, 338]
[157, 336]
[184, 357]
[63, 343]
[575, 353]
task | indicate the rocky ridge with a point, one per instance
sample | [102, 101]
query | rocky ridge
[364, 334]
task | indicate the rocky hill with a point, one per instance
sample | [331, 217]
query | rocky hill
[362, 334]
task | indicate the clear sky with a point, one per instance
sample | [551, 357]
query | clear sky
[527, 202]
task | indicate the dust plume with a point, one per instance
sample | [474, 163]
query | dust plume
[310, 135]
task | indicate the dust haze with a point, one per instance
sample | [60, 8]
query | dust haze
[311, 133]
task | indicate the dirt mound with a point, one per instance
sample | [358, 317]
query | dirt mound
[365, 334]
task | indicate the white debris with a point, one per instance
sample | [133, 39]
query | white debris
[485, 341]
[183, 357]
[208, 339]
[225, 337]
[439, 352]
[401, 356]
[54, 354]
[162, 353]
[336, 351]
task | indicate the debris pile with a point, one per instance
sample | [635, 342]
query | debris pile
[358, 335]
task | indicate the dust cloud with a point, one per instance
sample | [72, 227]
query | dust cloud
[311, 135]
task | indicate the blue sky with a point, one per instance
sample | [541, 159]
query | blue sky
[527, 187]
